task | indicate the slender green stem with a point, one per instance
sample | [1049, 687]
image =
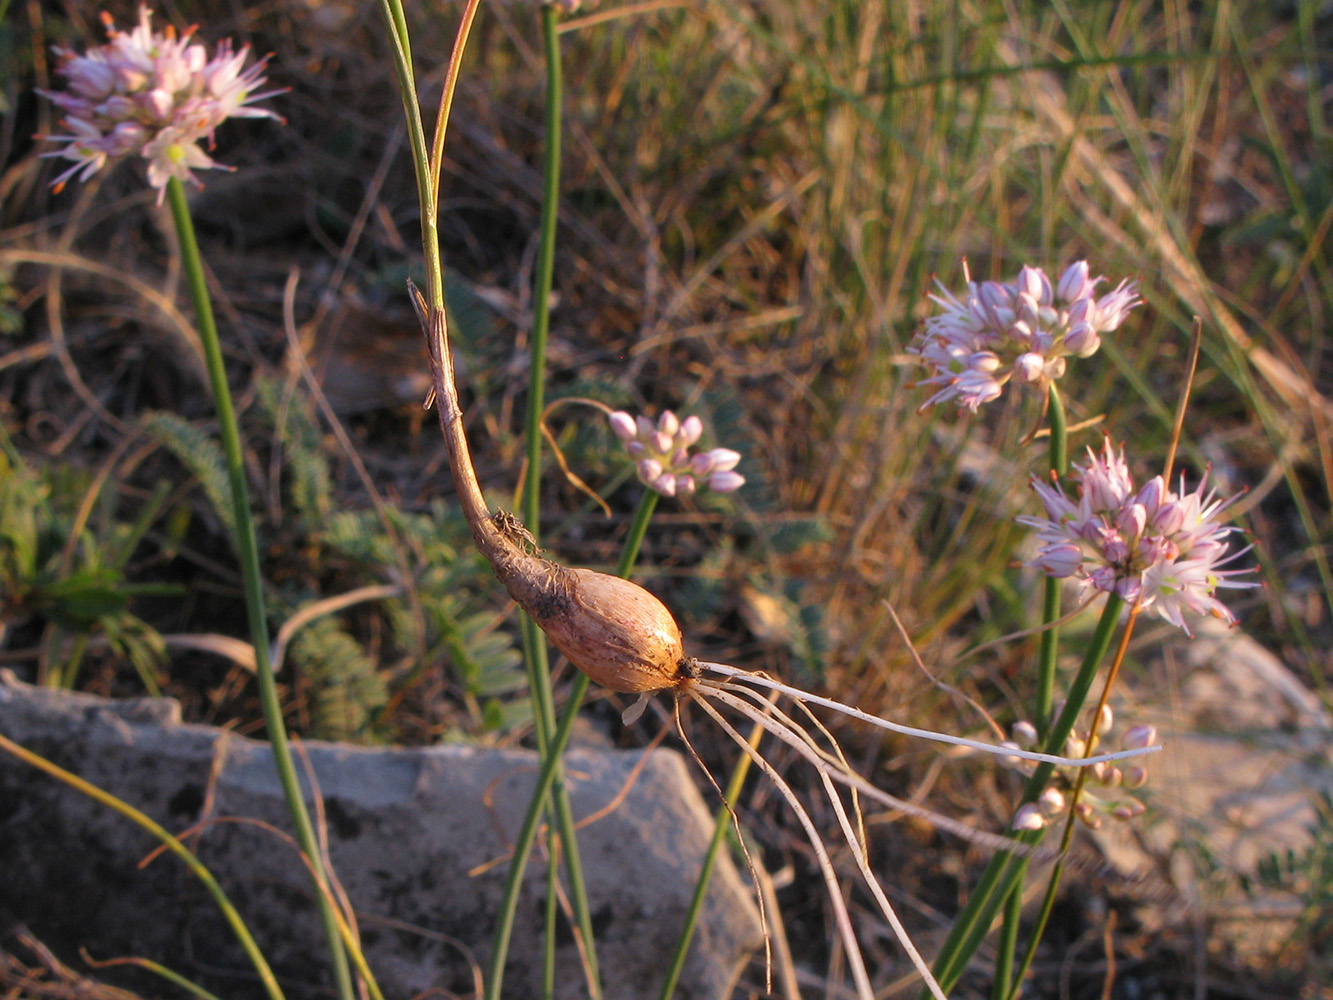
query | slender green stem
[1050, 637]
[1047, 657]
[1008, 943]
[1059, 450]
[247, 551]
[1057, 870]
[527, 835]
[427, 169]
[539, 672]
[629, 552]
[170, 975]
[1015, 986]
[552, 915]
[545, 276]
[527, 832]
[1005, 870]
[229, 912]
[396, 21]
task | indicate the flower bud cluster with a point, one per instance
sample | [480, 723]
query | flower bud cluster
[661, 453]
[1108, 789]
[153, 95]
[1163, 549]
[1021, 331]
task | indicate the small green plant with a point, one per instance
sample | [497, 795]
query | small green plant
[63, 560]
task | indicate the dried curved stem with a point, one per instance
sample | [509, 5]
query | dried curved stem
[488, 538]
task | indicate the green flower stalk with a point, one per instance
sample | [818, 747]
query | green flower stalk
[155, 96]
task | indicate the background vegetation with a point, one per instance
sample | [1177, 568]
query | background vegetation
[756, 199]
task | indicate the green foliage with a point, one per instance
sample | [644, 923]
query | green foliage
[57, 570]
[453, 587]
[347, 688]
[308, 485]
[201, 454]
[11, 319]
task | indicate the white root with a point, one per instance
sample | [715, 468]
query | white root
[853, 834]
[841, 917]
[926, 734]
[788, 731]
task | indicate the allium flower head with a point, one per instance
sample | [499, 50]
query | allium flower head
[1019, 331]
[150, 94]
[661, 453]
[1164, 550]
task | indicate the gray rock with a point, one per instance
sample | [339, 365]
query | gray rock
[406, 829]
[1247, 752]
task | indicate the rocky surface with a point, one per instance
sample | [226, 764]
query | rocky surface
[407, 831]
[1247, 753]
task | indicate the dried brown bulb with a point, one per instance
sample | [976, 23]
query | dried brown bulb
[613, 630]
[617, 633]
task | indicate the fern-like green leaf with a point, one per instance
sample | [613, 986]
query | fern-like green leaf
[345, 685]
[200, 453]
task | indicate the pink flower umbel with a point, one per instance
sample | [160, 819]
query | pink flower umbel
[153, 95]
[1019, 331]
[661, 453]
[1161, 549]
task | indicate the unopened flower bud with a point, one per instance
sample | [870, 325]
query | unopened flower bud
[667, 425]
[1051, 802]
[1082, 340]
[1073, 283]
[622, 424]
[1139, 737]
[1029, 367]
[725, 482]
[650, 470]
[1029, 817]
[1024, 733]
[1060, 561]
[1128, 809]
[691, 429]
[724, 459]
[1135, 777]
[1032, 281]
[1105, 720]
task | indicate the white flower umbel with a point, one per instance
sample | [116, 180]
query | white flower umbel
[1160, 549]
[1020, 331]
[662, 458]
[154, 95]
